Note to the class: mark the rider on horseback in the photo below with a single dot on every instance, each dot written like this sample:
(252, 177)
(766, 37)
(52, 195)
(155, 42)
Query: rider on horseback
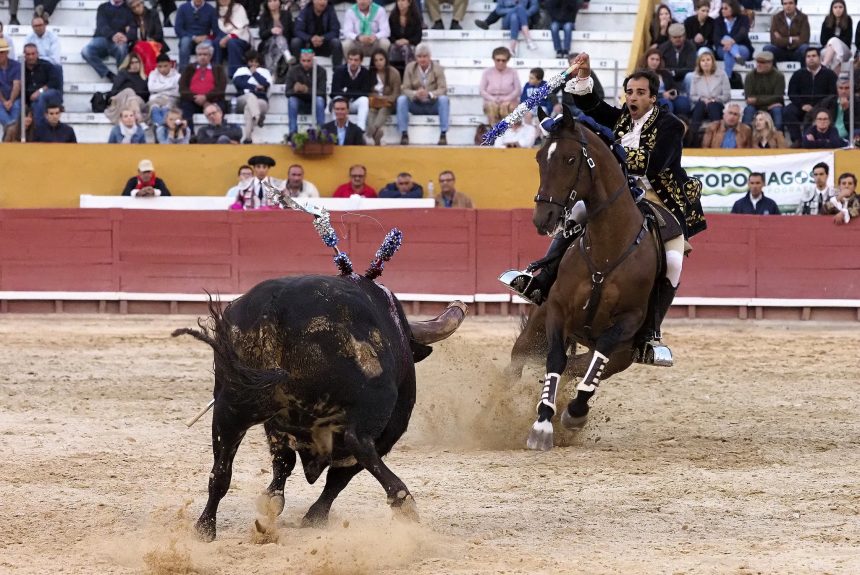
(652, 139)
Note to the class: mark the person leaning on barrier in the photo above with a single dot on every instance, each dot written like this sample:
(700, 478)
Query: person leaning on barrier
(812, 198)
(449, 196)
(845, 205)
(297, 185)
(755, 202)
(145, 184)
(52, 130)
(402, 187)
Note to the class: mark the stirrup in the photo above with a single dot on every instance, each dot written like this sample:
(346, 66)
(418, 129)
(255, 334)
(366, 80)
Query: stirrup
(654, 352)
(520, 282)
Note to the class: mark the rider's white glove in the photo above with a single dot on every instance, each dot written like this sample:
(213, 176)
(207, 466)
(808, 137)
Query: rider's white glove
(579, 86)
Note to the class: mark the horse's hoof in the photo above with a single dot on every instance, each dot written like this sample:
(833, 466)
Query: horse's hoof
(571, 422)
(270, 504)
(407, 510)
(205, 528)
(540, 436)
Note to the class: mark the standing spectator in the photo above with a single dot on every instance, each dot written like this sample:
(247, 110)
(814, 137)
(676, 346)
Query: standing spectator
(822, 134)
(365, 27)
(435, 13)
(356, 185)
(145, 184)
(13, 130)
(845, 205)
(146, 36)
(835, 37)
(668, 93)
(500, 87)
(839, 107)
(679, 54)
(130, 91)
(352, 82)
(806, 89)
(448, 196)
(318, 28)
(196, 22)
(252, 84)
(52, 130)
(423, 92)
(764, 88)
(47, 42)
(297, 185)
(709, 91)
(174, 129)
(385, 82)
(402, 188)
(536, 82)
(348, 134)
(163, 86)
(217, 131)
(562, 15)
(700, 26)
(201, 84)
(405, 25)
(731, 36)
(113, 22)
(298, 88)
(755, 202)
(10, 86)
(659, 31)
(729, 132)
(43, 84)
(126, 130)
(764, 134)
(789, 33)
(234, 33)
(812, 199)
(276, 31)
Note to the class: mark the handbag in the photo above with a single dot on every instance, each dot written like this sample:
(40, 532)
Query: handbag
(99, 102)
(378, 102)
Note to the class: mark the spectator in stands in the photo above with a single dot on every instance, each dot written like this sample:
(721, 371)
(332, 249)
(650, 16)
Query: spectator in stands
(130, 91)
(789, 33)
(405, 24)
(764, 134)
(196, 22)
(356, 185)
(217, 131)
(276, 32)
(385, 82)
(729, 132)
(234, 34)
(845, 205)
(201, 83)
(659, 31)
(811, 199)
(146, 36)
(839, 108)
(13, 130)
(126, 130)
(53, 130)
(402, 187)
(709, 92)
(47, 42)
(297, 185)
(669, 94)
(806, 89)
(448, 196)
(365, 27)
(515, 16)
(168, 7)
(298, 90)
(348, 134)
(318, 28)
(500, 87)
(174, 129)
(13, 13)
(731, 36)
(435, 13)
(9, 43)
(352, 82)
(252, 85)
(163, 86)
(423, 92)
(700, 26)
(10, 86)
(145, 184)
(111, 38)
(521, 134)
(835, 37)
(535, 83)
(764, 88)
(245, 174)
(755, 202)
(562, 15)
(42, 83)
(566, 98)
(821, 133)
(679, 55)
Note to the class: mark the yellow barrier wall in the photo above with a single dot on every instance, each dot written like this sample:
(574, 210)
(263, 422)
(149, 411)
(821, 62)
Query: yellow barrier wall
(55, 175)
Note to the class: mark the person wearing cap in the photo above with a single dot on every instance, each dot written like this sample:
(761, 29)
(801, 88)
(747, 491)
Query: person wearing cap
(10, 86)
(679, 53)
(763, 89)
(111, 38)
(163, 85)
(789, 33)
(145, 184)
(806, 89)
(255, 193)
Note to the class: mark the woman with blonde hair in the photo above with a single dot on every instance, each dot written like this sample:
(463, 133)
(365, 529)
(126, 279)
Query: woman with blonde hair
(709, 91)
(764, 134)
(130, 90)
(385, 82)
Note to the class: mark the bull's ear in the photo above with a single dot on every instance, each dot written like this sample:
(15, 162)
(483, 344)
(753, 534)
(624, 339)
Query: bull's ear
(541, 114)
(420, 351)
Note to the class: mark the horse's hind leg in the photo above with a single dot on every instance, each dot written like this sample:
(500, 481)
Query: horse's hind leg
(541, 435)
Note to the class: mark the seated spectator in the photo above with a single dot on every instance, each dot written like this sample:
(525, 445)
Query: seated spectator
(52, 130)
(127, 130)
(765, 134)
(352, 83)
(234, 34)
(174, 129)
(678, 54)
(728, 132)
(659, 30)
(709, 91)
(146, 36)
(47, 43)
(669, 94)
(355, 186)
(435, 13)
(402, 187)
(245, 174)
(845, 205)
(385, 82)
(423, 92)
(217, 131)
(130, 91)
(500, 87)
(764, 88)
(700, 26)
(298, 90)
(535, 83)
(145, 184)
(503, 11)
(566, 98)
(163, 86)
(43, 85)
(522, 134)
(365, 27)
(317, 28)
(201, 84)
(835, 37)
(168, 7)
(276, 32)
(562, 15)
(822, 134)
(252, 84)
(806, 89)
(10, 86)
(405, 24)
(755, 202)
(9, 43)
(13, 130)
(731, 36)
(196, 22)
(811, 199)
(113, 22)
(448, 196)
(839, 107)
(297, 185)
(347, 133)
(789, 33)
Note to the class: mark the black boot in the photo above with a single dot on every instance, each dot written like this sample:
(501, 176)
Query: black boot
(652, 351)
(536, 288)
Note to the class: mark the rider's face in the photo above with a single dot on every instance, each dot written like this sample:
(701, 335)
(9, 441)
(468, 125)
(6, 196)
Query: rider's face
(639, 98)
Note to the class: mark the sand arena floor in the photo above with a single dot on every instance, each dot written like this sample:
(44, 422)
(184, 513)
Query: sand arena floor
(742, 459)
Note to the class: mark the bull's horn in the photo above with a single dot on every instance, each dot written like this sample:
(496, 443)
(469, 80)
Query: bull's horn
(441, 326)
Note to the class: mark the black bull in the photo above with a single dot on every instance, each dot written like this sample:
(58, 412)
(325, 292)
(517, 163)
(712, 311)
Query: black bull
(327, 364)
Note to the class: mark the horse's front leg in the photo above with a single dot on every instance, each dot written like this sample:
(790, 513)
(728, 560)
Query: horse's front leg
(540, 436)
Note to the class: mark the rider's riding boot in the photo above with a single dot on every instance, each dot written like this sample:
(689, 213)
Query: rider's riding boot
(654, 352)
(535, 288)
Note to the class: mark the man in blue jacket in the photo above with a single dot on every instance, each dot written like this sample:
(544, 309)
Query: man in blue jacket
(113, 21)
(755, 202)
(196, 21)
(401, 188)
(318, 28)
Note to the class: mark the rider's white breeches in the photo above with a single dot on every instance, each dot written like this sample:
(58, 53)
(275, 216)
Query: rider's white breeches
(674, 259)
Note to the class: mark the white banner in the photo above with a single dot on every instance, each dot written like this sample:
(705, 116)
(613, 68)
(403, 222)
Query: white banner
(724, 178)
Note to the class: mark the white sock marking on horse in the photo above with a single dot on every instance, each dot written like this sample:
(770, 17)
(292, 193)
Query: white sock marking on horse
(543, 426)
(551, 150)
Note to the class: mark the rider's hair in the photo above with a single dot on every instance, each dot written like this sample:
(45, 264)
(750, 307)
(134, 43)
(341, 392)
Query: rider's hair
(653, 80)
(823, 166)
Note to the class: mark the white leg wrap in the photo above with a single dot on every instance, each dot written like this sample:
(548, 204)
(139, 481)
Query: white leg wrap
(593, 373)
(550, 390)
(674, 260)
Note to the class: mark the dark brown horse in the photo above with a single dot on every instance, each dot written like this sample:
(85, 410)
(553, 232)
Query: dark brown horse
(601, 297)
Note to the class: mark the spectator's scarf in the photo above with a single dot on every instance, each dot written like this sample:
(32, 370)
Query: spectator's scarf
(141, 184)
(365, 23)
(127, 132)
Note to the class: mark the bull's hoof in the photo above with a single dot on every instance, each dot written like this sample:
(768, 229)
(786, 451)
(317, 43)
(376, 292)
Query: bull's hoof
(270, 504)
(540, 436)
(572, 422)
(406, 509)
(205, 528)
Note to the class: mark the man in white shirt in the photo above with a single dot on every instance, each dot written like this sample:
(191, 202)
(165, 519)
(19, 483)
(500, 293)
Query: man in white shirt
(365, 26)
(811, 200)
(46, 41)
(256, 193)
(297, 186)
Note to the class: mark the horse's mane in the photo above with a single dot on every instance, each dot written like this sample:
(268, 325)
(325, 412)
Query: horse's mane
(554, 126)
